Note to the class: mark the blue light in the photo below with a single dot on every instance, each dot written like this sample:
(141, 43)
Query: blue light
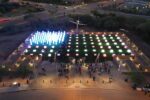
(46, 38)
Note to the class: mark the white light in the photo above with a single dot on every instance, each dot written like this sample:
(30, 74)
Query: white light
(53, 46)
(113, 55)
(99, 43)
(34, 50)
(129, 51)
(42, 50)
(111, 51)
(95, 54)
(77, 42)
(84, 43)
(93, 46)
(115, 43)
(40, 54)
(29, 46)
(94, 50)
(107, 44)
(117, 47)
(92, 43)
(69, 42)
(111, 37)
(120, 50)
(102, 50)
(98, 40)
(51, 50)
(104, 55)
(77, 54)
(122, 43)
(109, 47)
(49, 55)
(85, 50)
(68, 54)
(101, 47)
(31, 54)
(45, 47)
(77, 50)
(125, 47)
(86, 54)
(123, 54)
(104, 38)
(68, 50)
(58, 54)
(113, 40)
(37, 46)
(26, 50)
(118, 38)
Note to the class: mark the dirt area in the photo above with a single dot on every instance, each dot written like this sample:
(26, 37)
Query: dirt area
(9, 43)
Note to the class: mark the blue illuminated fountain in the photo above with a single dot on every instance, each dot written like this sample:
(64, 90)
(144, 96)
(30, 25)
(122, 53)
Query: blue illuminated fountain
(46, 38)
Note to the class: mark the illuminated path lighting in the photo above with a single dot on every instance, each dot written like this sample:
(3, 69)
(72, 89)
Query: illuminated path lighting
(47, 38)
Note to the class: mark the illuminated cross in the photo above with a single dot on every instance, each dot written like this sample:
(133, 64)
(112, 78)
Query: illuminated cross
(77, 25)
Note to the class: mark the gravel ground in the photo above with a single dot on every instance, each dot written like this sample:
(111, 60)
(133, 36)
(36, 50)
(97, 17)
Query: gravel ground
(9, 43)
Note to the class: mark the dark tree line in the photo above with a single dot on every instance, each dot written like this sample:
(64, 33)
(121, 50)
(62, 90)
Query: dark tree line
(112, 22)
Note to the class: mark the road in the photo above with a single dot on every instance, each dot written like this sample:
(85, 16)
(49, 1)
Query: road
(74, 94)
(60, 10)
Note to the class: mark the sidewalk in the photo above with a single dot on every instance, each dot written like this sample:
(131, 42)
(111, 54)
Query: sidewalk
(14, 89)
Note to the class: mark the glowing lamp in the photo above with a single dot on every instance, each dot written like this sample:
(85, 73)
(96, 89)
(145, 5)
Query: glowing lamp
(77, 50)
(94, 50)
(68, 50)
(68, 54)
(102, 50)
(85, 50)
(120, 50)
(58, 54)
(37, 46)
(86, 54)
(34, 50)
(104, 55)
(51, 50)
(129, 51)
(49, 55)
(111, 51)
(45, 47)
(77, 54)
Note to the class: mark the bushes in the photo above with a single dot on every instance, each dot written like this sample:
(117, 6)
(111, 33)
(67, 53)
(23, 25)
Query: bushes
(7, 7)
(136, 78)
(50, 1)
(23, 71)
(109, 22)
(144, 31)
(137, 25)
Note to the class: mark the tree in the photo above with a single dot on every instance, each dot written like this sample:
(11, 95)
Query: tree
(23, 71)
(3, 1)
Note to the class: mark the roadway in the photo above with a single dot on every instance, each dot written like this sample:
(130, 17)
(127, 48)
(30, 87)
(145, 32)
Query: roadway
(59, 10)
(74, 94)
